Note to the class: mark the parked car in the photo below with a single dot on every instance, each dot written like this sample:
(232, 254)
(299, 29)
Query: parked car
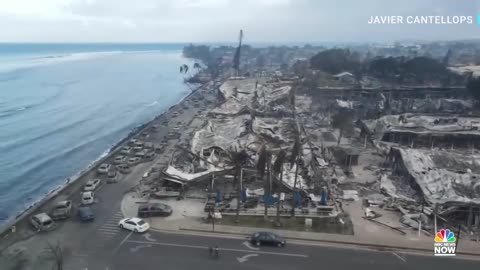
(120, 159)
(104, 168)
(134, 224)
(150, 156)
(148, 145)
(267, 238)
(42, 222)
(154, 210)
(92, 184)
(139, 143)
(123, 168)
(126, 150)
(137, 149)
(141, 154)
(158, 149)
(133, 161)
(132, 141)
(112, 177)
(85, 214)
(88, 198)
(62, 210)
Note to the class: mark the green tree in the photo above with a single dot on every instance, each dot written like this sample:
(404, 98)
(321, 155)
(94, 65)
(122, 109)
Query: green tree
(343, 121)
(197, 66)
(473, 86)
(300, 68)
(335, 61)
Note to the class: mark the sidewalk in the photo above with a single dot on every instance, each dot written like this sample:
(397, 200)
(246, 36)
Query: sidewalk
(367, 234)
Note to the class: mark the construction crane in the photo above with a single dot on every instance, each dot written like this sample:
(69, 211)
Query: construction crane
(236, 58)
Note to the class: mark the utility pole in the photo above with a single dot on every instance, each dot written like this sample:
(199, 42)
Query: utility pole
(419, 227)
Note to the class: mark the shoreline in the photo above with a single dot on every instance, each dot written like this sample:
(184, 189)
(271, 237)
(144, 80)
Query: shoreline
(6, 227)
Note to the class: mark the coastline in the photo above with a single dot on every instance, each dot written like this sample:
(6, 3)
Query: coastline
(6, 227)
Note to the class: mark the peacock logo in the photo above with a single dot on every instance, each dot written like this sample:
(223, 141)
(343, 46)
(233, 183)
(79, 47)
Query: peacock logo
(445, 236)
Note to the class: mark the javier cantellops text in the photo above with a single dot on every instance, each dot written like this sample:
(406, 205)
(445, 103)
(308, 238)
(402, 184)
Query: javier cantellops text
(431, 19)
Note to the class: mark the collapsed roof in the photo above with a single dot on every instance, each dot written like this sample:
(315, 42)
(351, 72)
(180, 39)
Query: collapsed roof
(226, 132)
(423, 124)
(437, 175)
(252, 95)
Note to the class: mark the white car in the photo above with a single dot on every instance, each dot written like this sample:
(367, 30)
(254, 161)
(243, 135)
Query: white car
(120, 159)
(104, 168)
(126, 150)
(92, 185)
(133, 161)
(88, 198)
(134, 224)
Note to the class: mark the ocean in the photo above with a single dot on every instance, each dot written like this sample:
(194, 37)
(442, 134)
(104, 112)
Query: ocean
(63, 106)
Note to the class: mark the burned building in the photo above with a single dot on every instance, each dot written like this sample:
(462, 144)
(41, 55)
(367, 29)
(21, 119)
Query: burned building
(427, 131)
(446, 182)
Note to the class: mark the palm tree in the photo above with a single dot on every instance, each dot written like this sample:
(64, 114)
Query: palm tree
(263, 164)
(296, 152)
(238, 159)
(197, 66)
(278, 172)
(184, 68)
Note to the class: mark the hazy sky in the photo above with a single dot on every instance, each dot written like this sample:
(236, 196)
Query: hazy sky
(220, 20)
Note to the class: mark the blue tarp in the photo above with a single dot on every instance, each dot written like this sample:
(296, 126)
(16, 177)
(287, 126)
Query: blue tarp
(297, 198)
(244, 195)
(323, 197)
(269, 199)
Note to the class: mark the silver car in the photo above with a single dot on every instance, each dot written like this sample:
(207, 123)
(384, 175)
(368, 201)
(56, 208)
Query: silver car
(42, 222)
(104, 168)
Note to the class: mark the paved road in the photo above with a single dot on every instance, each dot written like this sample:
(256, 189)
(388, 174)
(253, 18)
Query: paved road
(159, 250)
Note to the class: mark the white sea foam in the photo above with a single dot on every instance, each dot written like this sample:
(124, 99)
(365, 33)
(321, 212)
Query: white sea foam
(21, 62)
(153, 103)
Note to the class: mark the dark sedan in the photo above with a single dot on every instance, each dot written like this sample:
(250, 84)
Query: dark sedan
(85, 214)
(267, 239)
(154, 210)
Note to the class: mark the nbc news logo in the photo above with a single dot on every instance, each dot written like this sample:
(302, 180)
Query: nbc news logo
(445, 243)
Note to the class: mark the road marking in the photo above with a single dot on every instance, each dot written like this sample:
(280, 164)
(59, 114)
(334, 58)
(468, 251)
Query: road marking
(110, 226)
(247, 244)
(115, 230)
(245, 258)
(399, 257)
(149, 237)
(98, 188)
(121, 243)
(114, 220)
(137, 248)
(108, 233)
(222, 249)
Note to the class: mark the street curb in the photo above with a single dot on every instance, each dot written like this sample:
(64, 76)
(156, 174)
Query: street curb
(367, 245)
